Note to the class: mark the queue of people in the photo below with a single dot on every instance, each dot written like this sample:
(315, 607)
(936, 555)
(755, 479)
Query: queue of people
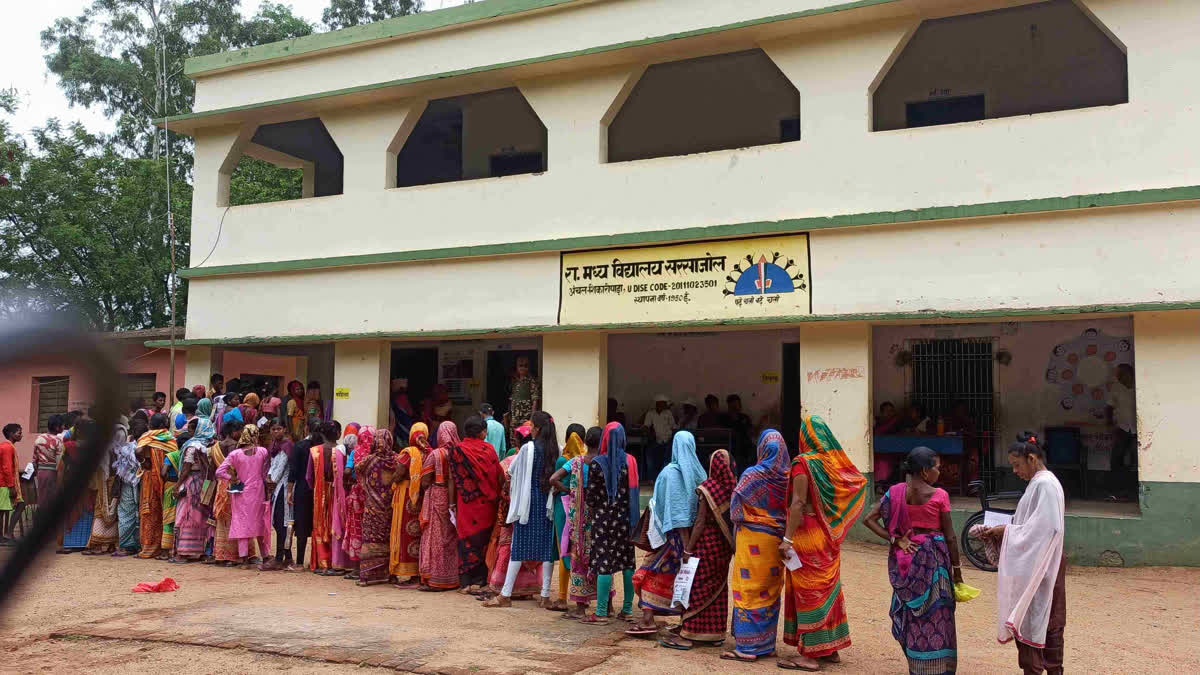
(451, 512)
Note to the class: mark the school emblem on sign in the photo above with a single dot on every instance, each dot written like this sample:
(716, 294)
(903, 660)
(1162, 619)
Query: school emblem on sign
(763, 277)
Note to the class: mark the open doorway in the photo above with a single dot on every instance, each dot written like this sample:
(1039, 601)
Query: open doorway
(420, 367)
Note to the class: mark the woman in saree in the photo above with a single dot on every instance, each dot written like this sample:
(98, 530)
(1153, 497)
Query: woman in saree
(296, 417)
(191, 512)
(582, 590)
(376, 473)
(356, 501)
(127, 471)
(340, 507)
(607, 498)
(528, 581)
(405, 559)
(319, 474)
(248, 525)
(170, 475)
(826, 495)
(711, 540)
(1031, 587)
(249, 408)
(475, 470)
(225, 549)
(758, 510)
(439, 539)
(923, 564)
(673, 513)
(104, 524)
(152, 451)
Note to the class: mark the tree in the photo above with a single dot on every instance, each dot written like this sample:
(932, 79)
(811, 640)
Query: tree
(83, 218)
(346, 13)
(81, 229)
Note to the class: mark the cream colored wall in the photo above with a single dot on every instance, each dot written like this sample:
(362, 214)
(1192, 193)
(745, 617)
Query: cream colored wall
(835, 384)
(576, 26)
(838, 167)
(1168, 367)
(575, 378)
(363, 368)
(1083, 257)
(432, 295)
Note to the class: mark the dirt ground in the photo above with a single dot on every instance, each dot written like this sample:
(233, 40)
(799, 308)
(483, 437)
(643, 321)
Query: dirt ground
(78, 612)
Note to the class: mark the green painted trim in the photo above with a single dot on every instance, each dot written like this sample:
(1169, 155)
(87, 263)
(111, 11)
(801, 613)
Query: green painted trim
(380, 30)
(857, 4)
(1025, 206)
(926, 315)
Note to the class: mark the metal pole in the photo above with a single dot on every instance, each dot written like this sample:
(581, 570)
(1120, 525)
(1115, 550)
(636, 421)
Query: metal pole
(170, 214)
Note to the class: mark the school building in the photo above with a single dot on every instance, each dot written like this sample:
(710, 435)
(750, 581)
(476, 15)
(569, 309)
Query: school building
(983, 212)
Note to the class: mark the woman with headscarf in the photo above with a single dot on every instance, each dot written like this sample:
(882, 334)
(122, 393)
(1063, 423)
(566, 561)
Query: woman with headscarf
(249, 408)
(342, 478)
(297, 419)
(439, 540)
(827, 494)
(376, 472)
(319, 474)
(608, 500)
(172, 462)
(127, 470)
(192, 511)
(711, 540)
(152, 451)
(576, 541)
(475, 471)
(104, 523)
(758, 510)
(562, 496)
(405, 559)
(247, 465)
(673, 512)
(499, 551)
(356, 501)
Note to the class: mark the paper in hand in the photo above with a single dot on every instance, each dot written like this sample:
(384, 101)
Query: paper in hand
(791, 560)
(995, 518)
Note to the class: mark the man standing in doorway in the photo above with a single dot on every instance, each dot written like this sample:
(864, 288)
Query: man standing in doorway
(495, 430)
(711, 417)
(661, 423)
(741, 426)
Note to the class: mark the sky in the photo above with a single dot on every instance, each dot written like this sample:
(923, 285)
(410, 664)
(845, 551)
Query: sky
(24, 68)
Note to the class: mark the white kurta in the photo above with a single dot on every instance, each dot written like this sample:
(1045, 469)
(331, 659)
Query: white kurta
(1029, 562)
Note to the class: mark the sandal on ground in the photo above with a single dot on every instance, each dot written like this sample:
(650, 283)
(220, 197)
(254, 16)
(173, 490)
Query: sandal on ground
(91, 552)
(627, 617)
(178, 561)
(738, 656)
(830, 658)
(789, 664)
(408, 586)
(121, 554)
(641, 631)
(270, 566)
(594, 620)
(572, 617)
(557, 606)
(675, 642)
(498, 601)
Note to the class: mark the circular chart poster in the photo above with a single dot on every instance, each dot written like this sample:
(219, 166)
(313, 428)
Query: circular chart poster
(1085, 370)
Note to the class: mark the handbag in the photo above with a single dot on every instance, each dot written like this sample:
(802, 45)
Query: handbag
(208, 492)
(641, 536)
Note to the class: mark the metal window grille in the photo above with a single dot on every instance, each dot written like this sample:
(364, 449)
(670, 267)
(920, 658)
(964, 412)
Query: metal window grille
(946, 373)
(51, 398)
(139, 385)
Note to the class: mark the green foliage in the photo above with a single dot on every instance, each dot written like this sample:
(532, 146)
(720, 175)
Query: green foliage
(256, 182)
(83, 230)
(345, 13)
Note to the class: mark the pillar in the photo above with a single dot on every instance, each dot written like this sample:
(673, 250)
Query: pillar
(577, 112)
(575, 378)
(200, 364)
(835, 384)
(360, 379)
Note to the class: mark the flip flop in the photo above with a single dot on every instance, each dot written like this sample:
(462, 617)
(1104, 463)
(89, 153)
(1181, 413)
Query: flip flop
(788, 664)
(593, 620)
(641, 632)
(734, 656)
(669, 643)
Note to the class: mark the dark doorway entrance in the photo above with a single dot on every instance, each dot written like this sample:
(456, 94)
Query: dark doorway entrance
(501, 366)
(790, 398)
(419, 365)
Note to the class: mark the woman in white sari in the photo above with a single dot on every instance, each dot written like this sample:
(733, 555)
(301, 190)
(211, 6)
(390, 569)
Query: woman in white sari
(1031, 591)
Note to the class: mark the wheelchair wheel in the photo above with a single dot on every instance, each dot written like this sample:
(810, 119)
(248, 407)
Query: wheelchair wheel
(974, 547)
